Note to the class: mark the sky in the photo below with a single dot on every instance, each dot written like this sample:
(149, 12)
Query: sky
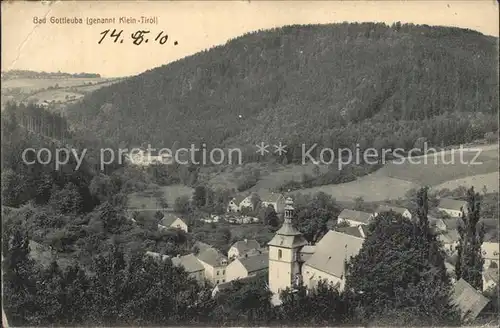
(195, 25)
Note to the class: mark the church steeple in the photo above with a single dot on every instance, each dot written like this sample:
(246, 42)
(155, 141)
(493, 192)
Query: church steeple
(284, 258)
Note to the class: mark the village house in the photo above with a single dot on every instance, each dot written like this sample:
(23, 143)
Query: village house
(468, 300)
(237, 203)
(490, 250)
(141, 157)
(449, 238)
(452, 207)
(276, 200)
(192, 266)
(156, 256)
(247, 266)
(215, 264)
(399, 210)
(172, 221)
(242, 247)
(324, 261)
(437, 225)
(354, 218)
(490, 278)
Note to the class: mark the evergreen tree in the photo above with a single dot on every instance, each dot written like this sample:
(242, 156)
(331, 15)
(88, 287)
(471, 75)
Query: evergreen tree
(470, 261)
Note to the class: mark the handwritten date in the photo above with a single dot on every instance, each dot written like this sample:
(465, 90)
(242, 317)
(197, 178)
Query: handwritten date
(138, 37)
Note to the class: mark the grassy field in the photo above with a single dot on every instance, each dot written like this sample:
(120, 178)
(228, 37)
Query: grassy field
(489, 180)
(30, 85)
(147, 200)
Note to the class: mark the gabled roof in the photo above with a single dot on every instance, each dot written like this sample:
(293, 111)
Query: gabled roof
(469, 301)
(189, 262)
(308, 249)
(256, 262)
(449, 236)
(358, 216)
(332, 251)
(212, 256)
(452, 223)
(269, 197)
(168, 219)
(388, 208)
(245, 245)
(353, 231)
(238, 199)
(452, 204)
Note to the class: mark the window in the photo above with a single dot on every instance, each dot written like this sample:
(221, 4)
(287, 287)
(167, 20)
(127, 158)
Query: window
(217, 282)
(223, 280)
(223, 271)
(217, 272)
(280, 254)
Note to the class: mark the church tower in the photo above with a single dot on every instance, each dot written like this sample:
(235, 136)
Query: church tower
(284, 258)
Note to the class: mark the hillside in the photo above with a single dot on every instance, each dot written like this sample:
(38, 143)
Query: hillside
(338, 85)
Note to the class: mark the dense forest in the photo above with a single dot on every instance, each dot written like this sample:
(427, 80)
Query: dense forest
(337, 85)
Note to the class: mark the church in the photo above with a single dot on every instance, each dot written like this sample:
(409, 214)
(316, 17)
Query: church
(292, 261)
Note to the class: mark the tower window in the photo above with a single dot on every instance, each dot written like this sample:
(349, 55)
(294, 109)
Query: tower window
(280, 254)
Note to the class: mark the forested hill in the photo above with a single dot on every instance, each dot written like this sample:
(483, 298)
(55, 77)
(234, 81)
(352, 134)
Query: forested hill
(336, 84)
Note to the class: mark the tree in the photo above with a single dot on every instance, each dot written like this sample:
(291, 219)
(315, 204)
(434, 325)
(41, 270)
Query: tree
(67, 200)
(470, 261)
(399, 273)
(199, 196)
(359, 204)
(182, 205)
(270, 217)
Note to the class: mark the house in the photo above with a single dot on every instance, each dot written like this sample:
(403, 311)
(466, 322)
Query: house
(276, 200)
(192, 266)
(468, 300)
(452, 207)
(215, 264)
(437, 225)
(490, 252)
(450, 241)
(359, 231)
(172, 221)
(354, 218)
(156, 256)
(399, 210)
(143, 157)
(242, 247)
(452, 223)
(490, 278)
(328, 261)
(292, 260)
(247, 266)
(237, 203)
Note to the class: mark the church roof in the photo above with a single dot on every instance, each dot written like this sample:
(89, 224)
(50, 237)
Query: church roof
(332, 251)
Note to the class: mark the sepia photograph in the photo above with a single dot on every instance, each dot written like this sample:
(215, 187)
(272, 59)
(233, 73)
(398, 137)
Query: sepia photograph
(250, 163)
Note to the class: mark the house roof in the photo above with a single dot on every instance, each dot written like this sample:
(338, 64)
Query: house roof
(168, 219)
(388, 208)
(449, 236)
(202, 246)
(452, 223)
(353, 231)
(469, 301)
(255, 262)
(212, 257)
(189, 262)
(246, 245)
(358, 216)
(238, 199)
(269, 197)
(452, 204)
(308, 249)
(332, 251)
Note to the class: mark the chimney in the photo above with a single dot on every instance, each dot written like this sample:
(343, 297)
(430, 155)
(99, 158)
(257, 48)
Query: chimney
(246, 241)
(178, 255)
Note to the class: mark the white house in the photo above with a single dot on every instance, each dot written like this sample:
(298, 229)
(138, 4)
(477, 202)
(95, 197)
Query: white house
(172, 221)
(142, 157)
(237, 203)
(192, 266)
(215, 264)
(242, 247)
(449, 239)
(388, 208)
(452, 207)
(276, 200)
(354, 218)
(490, 252)
(246, 266)
(490, 278)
